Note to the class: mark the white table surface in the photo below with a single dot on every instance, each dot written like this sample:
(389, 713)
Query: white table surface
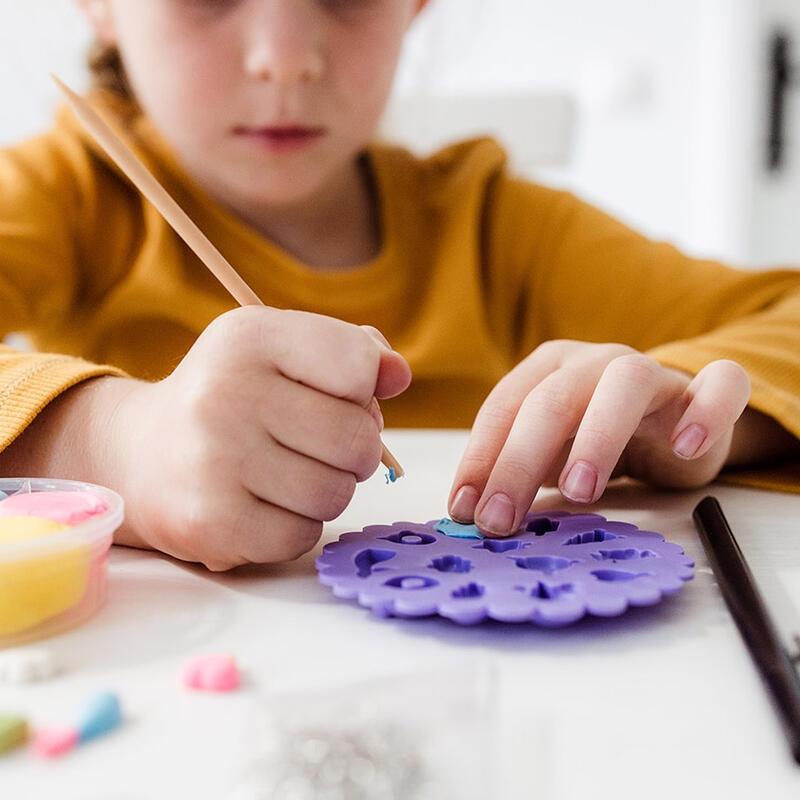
(662, 702)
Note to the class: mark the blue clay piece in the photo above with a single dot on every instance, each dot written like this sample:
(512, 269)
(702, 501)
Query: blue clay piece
(457, 530)
(100, 715)
(3, 495)
(391, 475)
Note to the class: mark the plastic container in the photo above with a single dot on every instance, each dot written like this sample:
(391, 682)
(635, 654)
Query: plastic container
(53, 582)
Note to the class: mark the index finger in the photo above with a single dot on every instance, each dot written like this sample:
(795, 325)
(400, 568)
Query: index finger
(491, 429)
(334, 357)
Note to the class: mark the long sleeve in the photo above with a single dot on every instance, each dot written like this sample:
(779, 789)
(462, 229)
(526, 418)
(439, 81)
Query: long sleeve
(589, 277)
(42, 211)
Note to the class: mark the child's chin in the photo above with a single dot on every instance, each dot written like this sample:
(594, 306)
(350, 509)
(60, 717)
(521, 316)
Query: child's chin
(278, 196)
(280, 188)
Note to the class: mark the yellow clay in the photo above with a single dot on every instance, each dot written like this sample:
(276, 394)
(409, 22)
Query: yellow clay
(35, 587)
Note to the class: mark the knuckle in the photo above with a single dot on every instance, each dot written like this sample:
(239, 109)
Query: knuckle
(236, 527)
(222, 326)
(475, 463)
(240, 325)
(338, 496)
(207, 397)
(202, 402)
(635, 368)
(553, 401)
(303, 537)
(518, 469)
(375, 334)
(193, 521)
(361, 445)
(596, 440)
(372, 460)
(553, 351)
(271, 326)
(197, 535)
(357, 361)
(554, 346)
(548, 348)
(612, 350)
(361, 361)
(496, 415)
(308, 534)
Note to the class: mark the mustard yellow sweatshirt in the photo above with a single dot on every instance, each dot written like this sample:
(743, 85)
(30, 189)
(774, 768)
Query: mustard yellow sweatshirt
(477, 268)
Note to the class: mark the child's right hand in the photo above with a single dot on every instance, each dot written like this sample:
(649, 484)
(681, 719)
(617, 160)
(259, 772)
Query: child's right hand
(259, 435)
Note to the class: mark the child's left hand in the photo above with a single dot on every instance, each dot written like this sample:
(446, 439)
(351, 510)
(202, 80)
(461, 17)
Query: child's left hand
(575, 414)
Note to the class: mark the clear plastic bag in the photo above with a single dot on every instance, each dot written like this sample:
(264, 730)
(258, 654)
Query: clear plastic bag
(411, 737)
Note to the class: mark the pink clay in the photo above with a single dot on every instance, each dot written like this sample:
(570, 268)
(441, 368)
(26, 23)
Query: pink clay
(52, 742)
(212, 673)
(68, 508)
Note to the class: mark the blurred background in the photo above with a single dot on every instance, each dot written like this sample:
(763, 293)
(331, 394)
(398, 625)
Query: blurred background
(682, 117)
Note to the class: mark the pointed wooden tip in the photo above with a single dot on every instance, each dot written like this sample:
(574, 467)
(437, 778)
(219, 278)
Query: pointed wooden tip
(391, 463)
(72, 97)
(61, 85)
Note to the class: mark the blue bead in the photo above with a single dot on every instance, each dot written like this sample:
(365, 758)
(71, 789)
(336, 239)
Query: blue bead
(100, 715)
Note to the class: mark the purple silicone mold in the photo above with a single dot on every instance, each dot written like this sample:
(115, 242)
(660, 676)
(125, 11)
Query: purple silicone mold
(556, 569)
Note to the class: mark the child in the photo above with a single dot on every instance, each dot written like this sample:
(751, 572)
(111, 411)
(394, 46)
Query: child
(233, 433)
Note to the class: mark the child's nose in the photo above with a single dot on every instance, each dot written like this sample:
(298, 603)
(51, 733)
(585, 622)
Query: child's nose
(285, 43)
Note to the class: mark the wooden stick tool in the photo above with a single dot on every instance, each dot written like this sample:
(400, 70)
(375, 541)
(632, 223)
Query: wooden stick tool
(180, 221)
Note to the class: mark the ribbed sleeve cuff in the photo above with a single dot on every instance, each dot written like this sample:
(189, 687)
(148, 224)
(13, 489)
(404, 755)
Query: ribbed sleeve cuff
(779, 478)
(28, 382)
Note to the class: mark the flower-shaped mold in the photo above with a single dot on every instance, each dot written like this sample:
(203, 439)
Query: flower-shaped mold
(556, 569)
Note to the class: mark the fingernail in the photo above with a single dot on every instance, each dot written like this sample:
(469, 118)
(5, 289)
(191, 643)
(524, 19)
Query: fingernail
(462, 509)
(689, 440)
(497, 515)
(580, 482)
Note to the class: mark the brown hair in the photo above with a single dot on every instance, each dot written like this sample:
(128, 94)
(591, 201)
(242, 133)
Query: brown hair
(108, 71)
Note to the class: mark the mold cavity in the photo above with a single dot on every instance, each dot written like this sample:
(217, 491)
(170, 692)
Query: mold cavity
(616, 575)
(410, 537)
(543, 591)
(411, 582)
(469, 591)
(542, 525)
(451, 564)
(622, 555)
(546, 564)
(590, 537)
(367, 559)
(501, 545)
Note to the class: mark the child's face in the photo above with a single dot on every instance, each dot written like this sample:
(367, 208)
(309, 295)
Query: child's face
(264, 101)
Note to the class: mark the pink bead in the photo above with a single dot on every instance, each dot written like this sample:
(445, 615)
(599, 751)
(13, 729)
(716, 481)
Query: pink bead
(52, 742)
(212, 673)
(68, 508)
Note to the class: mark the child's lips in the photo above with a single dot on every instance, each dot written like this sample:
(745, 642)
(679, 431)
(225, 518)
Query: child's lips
(281, 138)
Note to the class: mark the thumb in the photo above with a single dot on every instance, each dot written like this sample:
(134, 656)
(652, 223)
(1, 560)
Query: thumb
(394, 373)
